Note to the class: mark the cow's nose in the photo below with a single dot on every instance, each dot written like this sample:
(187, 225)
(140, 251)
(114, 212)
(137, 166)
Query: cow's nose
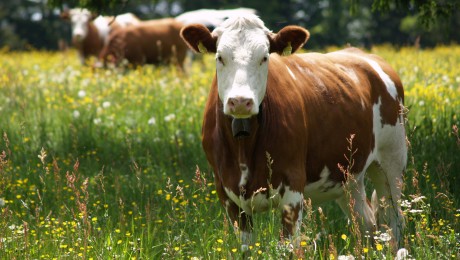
(240, 105)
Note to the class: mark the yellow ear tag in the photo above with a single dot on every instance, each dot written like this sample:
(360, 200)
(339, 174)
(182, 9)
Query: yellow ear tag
(287, 50)
(201, 48)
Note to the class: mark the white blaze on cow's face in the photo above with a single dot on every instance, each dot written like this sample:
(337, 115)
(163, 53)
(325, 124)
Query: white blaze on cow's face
(79, 19)
(242, 65)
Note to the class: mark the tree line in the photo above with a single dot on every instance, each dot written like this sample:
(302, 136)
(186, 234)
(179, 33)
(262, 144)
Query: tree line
(26, 24)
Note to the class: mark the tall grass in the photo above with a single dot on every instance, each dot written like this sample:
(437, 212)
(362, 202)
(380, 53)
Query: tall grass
(98, 164)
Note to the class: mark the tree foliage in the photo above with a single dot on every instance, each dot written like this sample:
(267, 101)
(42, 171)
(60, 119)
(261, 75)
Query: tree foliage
(358, 22)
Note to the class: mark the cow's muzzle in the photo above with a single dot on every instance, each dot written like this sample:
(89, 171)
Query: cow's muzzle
(240, 106)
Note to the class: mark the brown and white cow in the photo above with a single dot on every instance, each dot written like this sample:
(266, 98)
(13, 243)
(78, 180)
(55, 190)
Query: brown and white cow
(90, 33)
(302, 110)
(149, 42)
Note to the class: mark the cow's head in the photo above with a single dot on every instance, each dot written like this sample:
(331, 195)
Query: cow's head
(79, 19)
(243, 46)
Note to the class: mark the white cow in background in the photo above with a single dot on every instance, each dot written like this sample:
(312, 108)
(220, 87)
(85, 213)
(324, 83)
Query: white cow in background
(212, 18)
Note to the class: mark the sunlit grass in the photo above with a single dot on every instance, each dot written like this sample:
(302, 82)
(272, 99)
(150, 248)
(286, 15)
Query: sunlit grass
(98, 164)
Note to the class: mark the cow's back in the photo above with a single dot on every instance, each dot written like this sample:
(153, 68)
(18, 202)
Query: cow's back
(152, 42)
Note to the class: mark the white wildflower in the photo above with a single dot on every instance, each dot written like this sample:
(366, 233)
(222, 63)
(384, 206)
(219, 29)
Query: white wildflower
(152, 121)
(170, 117)
(415, 200)
(81, 94)
(97, 121)
(2, 202)
(421, 103)
(106, 104)
(405, 204)
(346, 257)
(76, 114)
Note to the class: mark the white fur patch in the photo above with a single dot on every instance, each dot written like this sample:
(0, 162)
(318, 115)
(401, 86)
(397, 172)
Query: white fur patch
(391, 88)
(244, 174)
(290, 73)
(323, 190)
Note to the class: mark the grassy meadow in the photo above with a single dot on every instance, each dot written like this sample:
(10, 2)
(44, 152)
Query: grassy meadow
(107, 164)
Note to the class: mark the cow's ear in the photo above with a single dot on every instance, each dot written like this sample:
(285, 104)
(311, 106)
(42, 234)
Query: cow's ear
(288, 40)
(199, 38)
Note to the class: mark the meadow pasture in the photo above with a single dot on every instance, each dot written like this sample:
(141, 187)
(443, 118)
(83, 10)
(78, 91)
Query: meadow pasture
(107, 164)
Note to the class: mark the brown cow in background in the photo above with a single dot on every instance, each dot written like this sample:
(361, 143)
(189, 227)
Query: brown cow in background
(90, 33)
(149, 42)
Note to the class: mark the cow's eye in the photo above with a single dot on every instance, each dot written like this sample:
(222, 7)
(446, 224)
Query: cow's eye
(220, 59)
(264, 59)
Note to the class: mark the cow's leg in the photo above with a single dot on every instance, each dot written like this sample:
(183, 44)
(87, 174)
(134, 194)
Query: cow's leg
(292, 206)
(354, 200)
(241, 222)
(387, 179)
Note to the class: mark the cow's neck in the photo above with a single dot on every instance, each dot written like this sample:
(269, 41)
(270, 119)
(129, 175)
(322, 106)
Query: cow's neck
(242, 133)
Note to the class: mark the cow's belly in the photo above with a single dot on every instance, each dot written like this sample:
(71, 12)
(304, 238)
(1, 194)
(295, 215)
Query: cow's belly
(259, 201)
(324, 189)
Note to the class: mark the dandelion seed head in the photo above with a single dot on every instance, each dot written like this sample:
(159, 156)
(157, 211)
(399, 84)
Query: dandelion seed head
(402, 254)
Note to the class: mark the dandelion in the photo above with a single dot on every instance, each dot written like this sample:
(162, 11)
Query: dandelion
(117, 230)
(234, 250)
(220, 241)
(402, 254)
(177, 248)
(344, 237)
(379, 247)
(365, 250)
(384, 237)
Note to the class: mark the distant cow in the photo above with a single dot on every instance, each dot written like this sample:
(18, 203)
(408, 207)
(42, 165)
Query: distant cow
(149, 42)
(320, 118)
(90, 33)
